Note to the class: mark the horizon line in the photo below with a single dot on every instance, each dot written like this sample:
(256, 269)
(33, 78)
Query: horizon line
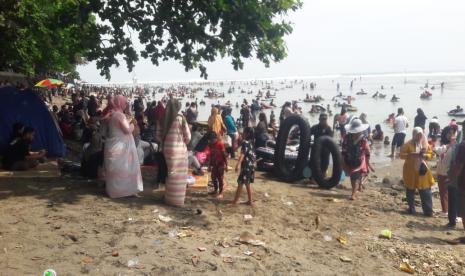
(296, 77)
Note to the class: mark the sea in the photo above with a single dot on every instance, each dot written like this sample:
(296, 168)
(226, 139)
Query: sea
(406, 86)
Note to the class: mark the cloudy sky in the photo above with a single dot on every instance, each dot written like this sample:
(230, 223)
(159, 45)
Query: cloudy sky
(343, 36)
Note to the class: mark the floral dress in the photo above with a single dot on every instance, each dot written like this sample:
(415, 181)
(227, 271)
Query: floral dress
(247, 174)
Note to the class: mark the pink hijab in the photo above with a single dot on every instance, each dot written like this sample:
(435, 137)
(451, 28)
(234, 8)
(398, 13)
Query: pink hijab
(109, 108)
(119, 103)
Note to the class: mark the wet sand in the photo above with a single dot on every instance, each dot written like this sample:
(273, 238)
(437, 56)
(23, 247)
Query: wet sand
(70, 225)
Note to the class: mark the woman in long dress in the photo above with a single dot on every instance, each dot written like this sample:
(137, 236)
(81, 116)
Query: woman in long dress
(122, 169)
(175, 136)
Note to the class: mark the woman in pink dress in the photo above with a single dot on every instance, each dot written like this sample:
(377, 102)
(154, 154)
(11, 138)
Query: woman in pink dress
(122, 169)
(174, 137)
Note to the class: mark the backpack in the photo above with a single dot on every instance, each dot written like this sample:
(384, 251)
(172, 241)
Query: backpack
(352, 153)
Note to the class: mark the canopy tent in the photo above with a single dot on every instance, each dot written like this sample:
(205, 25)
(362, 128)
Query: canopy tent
(26, 107)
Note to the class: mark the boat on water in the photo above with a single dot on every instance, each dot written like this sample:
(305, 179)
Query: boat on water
(351, 109)
(426, 95)
(456, 114)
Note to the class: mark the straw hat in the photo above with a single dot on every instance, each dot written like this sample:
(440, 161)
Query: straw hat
(356, 126)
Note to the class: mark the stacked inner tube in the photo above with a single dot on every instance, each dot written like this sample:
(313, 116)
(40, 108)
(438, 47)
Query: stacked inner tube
(287, 170)
(291, 170)
(323, 147)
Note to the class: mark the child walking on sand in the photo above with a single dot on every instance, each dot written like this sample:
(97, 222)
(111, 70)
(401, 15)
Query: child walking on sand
(356, 155)
(218, 163)
(247, 165)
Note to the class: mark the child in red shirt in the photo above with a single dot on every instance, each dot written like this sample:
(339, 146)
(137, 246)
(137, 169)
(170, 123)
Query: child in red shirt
(218, 163)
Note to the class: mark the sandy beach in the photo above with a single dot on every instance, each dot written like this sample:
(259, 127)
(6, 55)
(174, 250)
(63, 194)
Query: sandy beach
(71, 226)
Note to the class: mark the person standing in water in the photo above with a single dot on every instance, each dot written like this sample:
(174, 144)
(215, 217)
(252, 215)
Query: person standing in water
(420, 119)
(400, 130)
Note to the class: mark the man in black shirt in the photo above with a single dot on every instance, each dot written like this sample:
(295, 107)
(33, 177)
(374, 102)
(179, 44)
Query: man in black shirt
(319, 130)
(322, 128)
(18, 156)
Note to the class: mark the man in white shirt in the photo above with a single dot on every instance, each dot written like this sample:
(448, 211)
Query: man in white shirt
(400, 130)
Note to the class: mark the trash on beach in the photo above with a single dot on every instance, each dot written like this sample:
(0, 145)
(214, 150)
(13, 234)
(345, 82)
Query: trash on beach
(216, 252)
(333, 200)
(130, 219)
(256, 243)
(342, 240)
(156, 211)
(345, 259)
(289, 203)
(201, 249)
(248, 217)
(248, 253)
(224, 244)
(405, 267)
(386, 234)
(184, 234)
(164, 218)
(157, 242)
(195, 260)
(134, 263)
(115, 254)
(267, 195)
(247, 237)
(87, 260)
(327, 238)
(228, 260)
(173, 233)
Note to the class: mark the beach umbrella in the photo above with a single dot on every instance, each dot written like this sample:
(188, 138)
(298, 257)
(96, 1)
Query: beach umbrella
(48, 83)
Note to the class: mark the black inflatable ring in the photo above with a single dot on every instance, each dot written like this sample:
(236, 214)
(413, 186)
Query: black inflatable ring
(283, 167)
(326, 142)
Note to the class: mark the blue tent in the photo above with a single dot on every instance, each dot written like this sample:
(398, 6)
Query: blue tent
(26, 107)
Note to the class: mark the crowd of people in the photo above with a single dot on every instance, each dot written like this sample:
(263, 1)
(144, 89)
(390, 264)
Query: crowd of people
(446, 145)
(119, 136)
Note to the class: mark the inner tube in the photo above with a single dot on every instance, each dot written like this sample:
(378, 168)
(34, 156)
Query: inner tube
(285, 170)
(325, 144)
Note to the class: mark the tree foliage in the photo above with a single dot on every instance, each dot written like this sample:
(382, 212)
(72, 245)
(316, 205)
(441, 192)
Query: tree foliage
(193, 32)
(45, 36)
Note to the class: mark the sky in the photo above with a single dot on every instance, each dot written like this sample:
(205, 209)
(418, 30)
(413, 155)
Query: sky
(340, 37)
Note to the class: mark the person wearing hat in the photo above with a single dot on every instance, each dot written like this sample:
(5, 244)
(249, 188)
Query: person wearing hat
(356, 154)
(416, 174)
